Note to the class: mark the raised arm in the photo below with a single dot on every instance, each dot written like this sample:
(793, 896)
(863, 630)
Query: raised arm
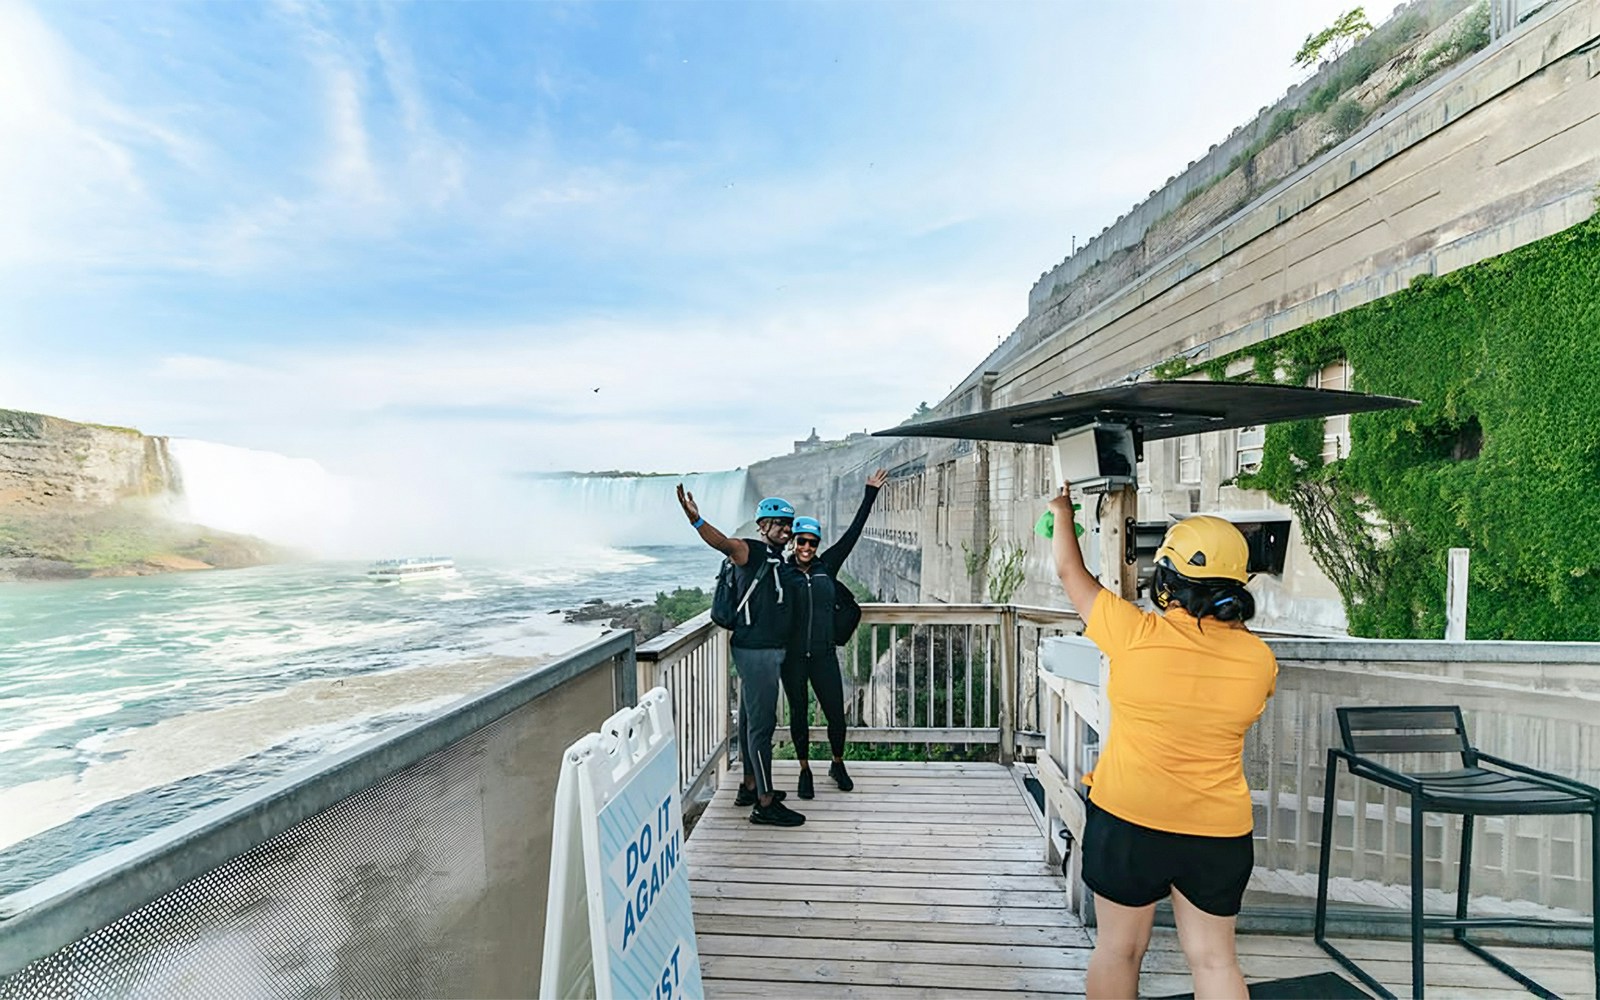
(836, 553)
(1081, 586)
(734, 548)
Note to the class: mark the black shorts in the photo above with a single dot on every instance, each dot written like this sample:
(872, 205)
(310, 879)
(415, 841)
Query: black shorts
(1135, 866)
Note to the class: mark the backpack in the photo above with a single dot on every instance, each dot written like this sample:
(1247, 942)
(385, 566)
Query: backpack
(726, 604)
(846, 613)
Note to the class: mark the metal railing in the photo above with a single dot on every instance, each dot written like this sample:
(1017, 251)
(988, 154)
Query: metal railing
(376, 871)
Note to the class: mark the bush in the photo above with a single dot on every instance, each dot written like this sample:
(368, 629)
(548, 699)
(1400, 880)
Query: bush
(1501, 457)
(1346, 116)
(682, 604)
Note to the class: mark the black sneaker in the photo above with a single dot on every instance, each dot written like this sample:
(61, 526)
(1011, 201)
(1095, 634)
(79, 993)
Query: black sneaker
(840, 776)
(747, 796)
(776, 814)
(807, 789)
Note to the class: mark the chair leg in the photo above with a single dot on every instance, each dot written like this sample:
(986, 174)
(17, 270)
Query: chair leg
(1417, 868)
(1464, 876)
(1319, 932)
(1320, 927)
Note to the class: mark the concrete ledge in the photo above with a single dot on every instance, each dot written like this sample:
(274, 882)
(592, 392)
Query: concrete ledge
(1388, 651)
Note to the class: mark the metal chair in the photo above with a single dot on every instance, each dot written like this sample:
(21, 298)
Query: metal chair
(1503, 788)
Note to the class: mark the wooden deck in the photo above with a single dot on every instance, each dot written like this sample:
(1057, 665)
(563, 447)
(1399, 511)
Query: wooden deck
(926, 881)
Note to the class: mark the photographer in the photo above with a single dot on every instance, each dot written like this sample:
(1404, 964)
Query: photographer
(1169, 810)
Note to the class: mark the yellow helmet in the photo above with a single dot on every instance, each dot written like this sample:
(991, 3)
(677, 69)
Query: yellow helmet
(1206, 548)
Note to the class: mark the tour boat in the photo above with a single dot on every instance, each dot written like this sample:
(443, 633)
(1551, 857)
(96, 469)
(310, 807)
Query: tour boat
(419, 568)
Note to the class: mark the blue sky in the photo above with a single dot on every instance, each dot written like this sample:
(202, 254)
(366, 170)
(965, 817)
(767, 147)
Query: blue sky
(374, 235)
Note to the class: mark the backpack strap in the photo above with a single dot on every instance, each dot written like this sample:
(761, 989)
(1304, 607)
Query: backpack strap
(752, 589)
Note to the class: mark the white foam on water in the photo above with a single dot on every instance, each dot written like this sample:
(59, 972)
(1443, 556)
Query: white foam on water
(46, 715)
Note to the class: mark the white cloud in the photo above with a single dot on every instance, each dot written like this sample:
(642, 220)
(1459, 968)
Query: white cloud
(71, 191)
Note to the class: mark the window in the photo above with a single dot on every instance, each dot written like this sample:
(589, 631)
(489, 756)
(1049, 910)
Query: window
(1336, 429)
(1248, 445)
(1189, 458)
(1047, 472)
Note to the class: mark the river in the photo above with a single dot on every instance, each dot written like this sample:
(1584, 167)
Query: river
(131, 703)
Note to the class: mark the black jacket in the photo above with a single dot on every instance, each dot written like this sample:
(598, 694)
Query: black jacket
(811, 631)
(772, 603)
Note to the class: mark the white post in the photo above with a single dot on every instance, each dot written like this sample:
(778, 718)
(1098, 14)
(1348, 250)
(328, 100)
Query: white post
(1455, 596)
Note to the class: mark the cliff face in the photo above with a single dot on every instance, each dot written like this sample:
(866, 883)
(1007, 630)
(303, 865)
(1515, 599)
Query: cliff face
(49, 463)
(85, 500)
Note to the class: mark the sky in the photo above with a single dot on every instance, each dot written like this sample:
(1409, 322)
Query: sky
(505, 237)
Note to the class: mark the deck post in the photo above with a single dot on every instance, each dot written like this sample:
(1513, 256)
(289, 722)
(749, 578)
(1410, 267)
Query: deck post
(722, 656)
(1455, 600)
(1117, 574)
(1008, 685)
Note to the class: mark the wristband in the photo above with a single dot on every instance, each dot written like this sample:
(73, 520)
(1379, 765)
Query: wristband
(696, 524)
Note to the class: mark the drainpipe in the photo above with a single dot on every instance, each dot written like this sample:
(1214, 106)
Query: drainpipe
(980, 493)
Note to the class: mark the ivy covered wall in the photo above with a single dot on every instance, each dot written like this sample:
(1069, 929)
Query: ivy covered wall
(1502, 457)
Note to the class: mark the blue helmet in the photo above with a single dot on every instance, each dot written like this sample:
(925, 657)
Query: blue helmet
(808, 526)
(774, 507)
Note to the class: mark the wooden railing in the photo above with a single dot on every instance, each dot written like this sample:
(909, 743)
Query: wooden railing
(692, 663)
(914, 673)
(945, 673)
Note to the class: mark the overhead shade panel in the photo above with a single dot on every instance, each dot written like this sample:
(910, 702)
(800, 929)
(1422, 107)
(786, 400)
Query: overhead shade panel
(1154, 409)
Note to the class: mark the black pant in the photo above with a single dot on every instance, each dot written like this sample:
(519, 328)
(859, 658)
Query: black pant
(821, 670)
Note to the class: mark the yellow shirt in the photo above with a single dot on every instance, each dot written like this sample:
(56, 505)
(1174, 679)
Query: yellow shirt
(1182, 694)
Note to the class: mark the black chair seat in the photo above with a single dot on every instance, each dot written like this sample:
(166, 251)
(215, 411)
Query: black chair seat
(1484, 792)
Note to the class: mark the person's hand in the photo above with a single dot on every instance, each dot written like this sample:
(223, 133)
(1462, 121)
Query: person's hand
(1061, 503)
(686, 500)
(877, 479)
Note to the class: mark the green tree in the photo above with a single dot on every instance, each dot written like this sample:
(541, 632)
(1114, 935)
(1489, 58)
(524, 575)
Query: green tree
(1335, 40)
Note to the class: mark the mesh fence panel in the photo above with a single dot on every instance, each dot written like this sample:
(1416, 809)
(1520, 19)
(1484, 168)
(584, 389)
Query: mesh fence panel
(429, 883)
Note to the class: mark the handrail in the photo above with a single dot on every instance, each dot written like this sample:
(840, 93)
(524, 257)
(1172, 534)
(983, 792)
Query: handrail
(675, 640)
(1033, 613)
(44, 918)
(908, 614)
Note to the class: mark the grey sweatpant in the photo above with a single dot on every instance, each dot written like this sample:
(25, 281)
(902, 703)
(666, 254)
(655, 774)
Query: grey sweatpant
(760, 671)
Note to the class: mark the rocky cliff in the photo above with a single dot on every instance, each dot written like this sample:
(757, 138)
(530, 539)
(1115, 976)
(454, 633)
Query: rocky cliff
(87, 500)
(47, 462)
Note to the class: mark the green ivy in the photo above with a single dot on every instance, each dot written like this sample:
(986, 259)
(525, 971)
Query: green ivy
(1501, 457)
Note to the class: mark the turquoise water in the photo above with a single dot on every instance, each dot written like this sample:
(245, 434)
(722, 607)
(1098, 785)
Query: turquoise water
(130, 703)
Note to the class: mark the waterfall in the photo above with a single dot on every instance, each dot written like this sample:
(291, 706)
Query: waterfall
(159, 474)
(292, 501)
(643, 510)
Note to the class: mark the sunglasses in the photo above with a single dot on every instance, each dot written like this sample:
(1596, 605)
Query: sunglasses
(805, 540)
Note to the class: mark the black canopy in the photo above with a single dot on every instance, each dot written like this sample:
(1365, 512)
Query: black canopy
(1154, 409)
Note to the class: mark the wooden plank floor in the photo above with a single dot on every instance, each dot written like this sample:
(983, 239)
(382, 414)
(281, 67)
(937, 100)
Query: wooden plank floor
(926, 881)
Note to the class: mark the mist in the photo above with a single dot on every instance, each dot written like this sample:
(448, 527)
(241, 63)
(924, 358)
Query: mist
(432, 509)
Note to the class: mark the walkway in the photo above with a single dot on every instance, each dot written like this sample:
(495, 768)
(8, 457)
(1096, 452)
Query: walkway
(926, 882)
